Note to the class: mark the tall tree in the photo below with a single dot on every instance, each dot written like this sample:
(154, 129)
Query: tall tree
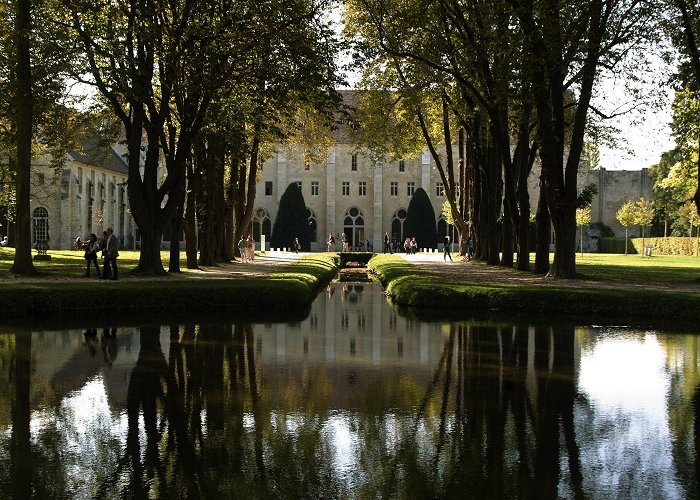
(157, 64)
(565, 46)
(684, 30)
(23, 243)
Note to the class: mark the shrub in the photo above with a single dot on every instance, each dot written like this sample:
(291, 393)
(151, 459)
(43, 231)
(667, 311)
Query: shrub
(615, 245)
(672, 245)
(420, 220)
(291, 221)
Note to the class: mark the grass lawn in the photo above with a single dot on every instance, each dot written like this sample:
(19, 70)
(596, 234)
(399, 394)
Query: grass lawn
(413, 287)
(661, 269)
(70, 263)
(286, 287)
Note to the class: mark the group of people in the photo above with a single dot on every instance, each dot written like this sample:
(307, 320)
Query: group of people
(361, 247)
(107, 247)
(246, 246)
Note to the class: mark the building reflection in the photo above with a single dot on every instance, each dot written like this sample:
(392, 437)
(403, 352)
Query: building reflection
(353, 401)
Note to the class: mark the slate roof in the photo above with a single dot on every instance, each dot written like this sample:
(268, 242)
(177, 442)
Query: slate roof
(100, 154)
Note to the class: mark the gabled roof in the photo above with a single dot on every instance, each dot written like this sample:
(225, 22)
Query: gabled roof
(99, 153)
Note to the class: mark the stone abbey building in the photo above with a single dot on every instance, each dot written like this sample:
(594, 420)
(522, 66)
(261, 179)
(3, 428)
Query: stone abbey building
(352, 195)
(348, 194)
(87, 194)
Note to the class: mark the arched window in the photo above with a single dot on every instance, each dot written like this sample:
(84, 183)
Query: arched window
(261, 225)
(313, 227)
(40, 224)
(354, 227)
(397, 225)
(441, 228)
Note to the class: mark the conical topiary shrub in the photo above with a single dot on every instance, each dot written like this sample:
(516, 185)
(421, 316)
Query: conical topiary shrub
(420, 220)
(291, 221)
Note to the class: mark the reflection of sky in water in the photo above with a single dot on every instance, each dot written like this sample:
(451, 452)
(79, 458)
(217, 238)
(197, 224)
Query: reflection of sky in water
(625, 381)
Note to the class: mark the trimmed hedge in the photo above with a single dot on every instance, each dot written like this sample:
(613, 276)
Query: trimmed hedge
(672, 245)
(616, 245)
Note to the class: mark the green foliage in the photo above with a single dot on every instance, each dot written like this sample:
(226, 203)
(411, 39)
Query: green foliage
(585, 197)
(292, 220)
(643, 212)
(420, 220)
(583, 216)
(673, 245)
(627, 214)
(615, 244)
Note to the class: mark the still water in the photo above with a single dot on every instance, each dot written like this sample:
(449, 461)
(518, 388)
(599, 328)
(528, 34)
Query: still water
(355, 401)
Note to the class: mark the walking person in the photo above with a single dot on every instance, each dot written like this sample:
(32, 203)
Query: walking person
(414, 246)
(330, 244)
(112, 248)
(346, 246)
(242, 249)
(470, 248)
(446, 248)
(296, 245)
(251, 248)
(387, 243)
(91, 249)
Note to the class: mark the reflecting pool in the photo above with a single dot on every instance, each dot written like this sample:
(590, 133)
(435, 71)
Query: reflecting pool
(355, 401)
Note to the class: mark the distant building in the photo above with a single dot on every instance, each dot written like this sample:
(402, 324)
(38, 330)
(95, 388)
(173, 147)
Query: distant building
(87, 194)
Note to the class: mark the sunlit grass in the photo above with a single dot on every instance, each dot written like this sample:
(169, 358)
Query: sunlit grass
(410, 286)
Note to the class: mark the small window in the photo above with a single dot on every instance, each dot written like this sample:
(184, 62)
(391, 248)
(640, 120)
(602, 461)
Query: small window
(354, 163)
(268, 188)
(363, 189)
(410, 188)
(346, 189)
(439, 189)
(314, 188)
(402, 166)
(299, 184)
(394, 186)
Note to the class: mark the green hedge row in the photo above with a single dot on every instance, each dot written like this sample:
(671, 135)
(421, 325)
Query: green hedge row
(672, 245)
(616, 245)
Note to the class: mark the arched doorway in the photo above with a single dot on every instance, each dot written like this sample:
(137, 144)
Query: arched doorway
(397, 223)
(261, 225)
(313, 226)
(354, 227)
(40, 224)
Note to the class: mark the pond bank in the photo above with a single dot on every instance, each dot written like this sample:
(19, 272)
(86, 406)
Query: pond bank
(451, 287)
(288, 286)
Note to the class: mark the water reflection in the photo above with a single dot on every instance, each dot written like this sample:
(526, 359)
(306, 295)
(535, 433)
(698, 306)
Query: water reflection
(354, 401)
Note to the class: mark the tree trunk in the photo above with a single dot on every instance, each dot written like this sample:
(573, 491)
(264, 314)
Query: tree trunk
(507, 230)
(150, 262)
(625, 240)
(21, 450)
(23, 264)
(210, 209)
(175, 231)
(564, 264)
(544, 229)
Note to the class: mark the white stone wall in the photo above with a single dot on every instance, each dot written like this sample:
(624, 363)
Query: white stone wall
(66, 200)
(330, 206)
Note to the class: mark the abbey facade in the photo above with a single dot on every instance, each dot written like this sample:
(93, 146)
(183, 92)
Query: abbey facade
(352, 195)
(87, 194)
(348, 194)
